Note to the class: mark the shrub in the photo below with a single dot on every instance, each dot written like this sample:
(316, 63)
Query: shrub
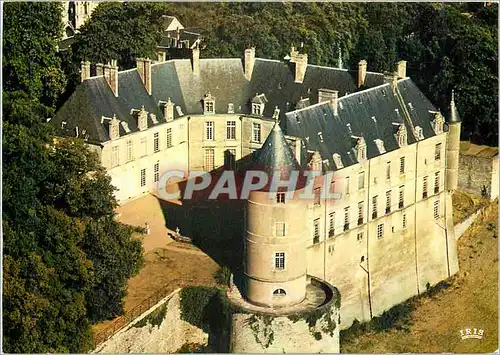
(223, 276)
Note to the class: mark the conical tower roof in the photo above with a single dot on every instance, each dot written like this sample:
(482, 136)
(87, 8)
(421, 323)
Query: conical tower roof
(454, 116)
(275, 155)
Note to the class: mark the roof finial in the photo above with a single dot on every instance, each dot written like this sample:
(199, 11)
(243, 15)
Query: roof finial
(452, 96)
(276, 114)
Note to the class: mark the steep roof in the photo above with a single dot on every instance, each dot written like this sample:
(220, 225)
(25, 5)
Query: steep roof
(372, 114)
(454, 116)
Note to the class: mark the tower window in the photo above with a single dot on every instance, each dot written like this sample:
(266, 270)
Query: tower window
(424, 187)
(346, 218)
(436, 209)
(256, 132)
(331, 229)
(316, 231)
(280, 229)
(279, 261)
(388, 202)
(157, 172)
(156, 142)
(437, 152)
(401, 165)
(279, 292)
(436, 182)
(380, 231)
(143, 177)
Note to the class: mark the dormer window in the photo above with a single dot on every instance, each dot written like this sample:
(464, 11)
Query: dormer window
(419, 133)
(256, 109)
(114, 128)
(125, 126)
(380, 145)
(438, 123)
(230, 108)
(209, 104)
(168, 110)
(316, 162)
(402, 136)
(142, 119)
(337, 161)
(361, 149)
(320, 136)
(258, 104)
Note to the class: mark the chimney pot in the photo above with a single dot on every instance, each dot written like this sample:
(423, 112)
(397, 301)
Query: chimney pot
(249, 62)
(85, 70)
(196, 60)
(144, 70)
(401, 69)
(361, 73)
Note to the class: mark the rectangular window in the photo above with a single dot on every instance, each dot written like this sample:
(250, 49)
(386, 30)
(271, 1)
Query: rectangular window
(331, 229)
(209, 131)
(209, 107)
(316, 231)
(388, 170)
(346, 218)
(209, 159)
(401, 165)
(169, 137)
(388, 201)
(436, 209)
(401, 202)
(404, 221)
(437, 152)
(361, 212)
(436, 182)
(361, 180)
(279, 261)
(380, 230)
(157, 172)
(143, 177)
(280, 197)
(317, 196)
(115, 156)
(280, 229)
(347, 185)
(374, 207)
(156, 142)
(256, 132)
(424, 187)
(231, 130)
(360, 236)
(130, 150)
(144, 147)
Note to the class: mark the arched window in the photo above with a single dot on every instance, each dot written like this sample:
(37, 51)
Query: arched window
(279, 292)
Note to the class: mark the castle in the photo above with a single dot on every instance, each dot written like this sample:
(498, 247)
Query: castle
(388, 151)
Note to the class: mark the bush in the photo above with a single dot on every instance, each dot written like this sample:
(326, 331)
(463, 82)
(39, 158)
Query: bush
(223, 276)
(155, 318)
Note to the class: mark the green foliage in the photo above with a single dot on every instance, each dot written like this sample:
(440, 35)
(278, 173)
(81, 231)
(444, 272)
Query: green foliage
(264, 336)
(223, 276)
(155, 318)
(192, 348)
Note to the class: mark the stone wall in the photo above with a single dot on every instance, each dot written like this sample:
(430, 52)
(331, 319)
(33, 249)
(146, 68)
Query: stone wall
(168, 337)
(475, 172)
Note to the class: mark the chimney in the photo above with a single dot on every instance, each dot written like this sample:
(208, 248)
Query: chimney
(144, 70)
(249, 62)
(401, 69)
(394, 82)
(361, 73)
(196, 61)
(329, 95)
(85, 71)
(111, 76)
(99, 69)
(300, 67)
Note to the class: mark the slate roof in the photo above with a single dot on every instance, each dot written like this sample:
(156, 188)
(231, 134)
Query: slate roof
(369, 114)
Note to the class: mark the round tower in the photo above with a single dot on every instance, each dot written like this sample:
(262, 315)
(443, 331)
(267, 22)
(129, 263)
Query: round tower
(275, 247)
(453, 146)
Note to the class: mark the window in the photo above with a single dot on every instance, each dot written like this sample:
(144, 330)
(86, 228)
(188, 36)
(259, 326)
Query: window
(279, 261)
(317, 196)
(280, 229)
(115, 156)
(230, 108)
(360, 236)
(346, 218)
(404, 223)
(401, 201)
(436, 209)
(331, 229)
(436, 182)
(256, 132)
(361, 180)
(401, 165)
(380, 230)
(144, 147)
(316, 231)
(424, 187)
(169, 137)
(361, 209)
(230, 159)
(231, 130)
(130, 151)
(347, 185)
(388, 170)
(143, 177)
(209, 159)
(209, 131)
(388, 202)
(437, 152)
(209, 107)
(156, 142)
(279, 292)
(374, 207)
(280, 197)
(157, 172)
(256, 109)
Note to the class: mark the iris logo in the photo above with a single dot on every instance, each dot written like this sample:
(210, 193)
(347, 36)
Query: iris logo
(471, 333)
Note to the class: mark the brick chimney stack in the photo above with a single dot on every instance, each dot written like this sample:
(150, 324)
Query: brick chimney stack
(85, 71)
(249, 62)
(195, 61)
(99, 69)
(361, 73)
(111, 76)
(329, 95)
(401, 69)
(144, 70)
